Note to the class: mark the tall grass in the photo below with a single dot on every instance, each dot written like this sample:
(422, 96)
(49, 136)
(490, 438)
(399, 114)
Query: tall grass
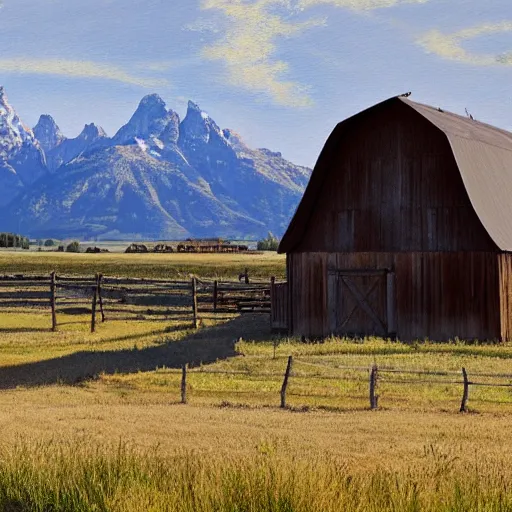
(161, 266)
(51, 477)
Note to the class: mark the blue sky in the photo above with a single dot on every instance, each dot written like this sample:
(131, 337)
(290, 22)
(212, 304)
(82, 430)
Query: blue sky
(282, 73)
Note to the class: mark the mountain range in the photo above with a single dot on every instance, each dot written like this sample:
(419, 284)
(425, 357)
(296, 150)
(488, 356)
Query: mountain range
(158, 177)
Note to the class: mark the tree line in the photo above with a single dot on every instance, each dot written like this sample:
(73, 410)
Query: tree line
(13, 240)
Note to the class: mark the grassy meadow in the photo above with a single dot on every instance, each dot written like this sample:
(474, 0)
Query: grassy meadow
(93, 421)
(156, 266)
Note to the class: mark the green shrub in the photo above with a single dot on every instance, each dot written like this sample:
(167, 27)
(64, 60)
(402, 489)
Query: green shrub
(271, 243)
(73, 247)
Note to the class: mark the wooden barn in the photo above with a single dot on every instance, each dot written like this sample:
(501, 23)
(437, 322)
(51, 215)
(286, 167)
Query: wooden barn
(405, 229)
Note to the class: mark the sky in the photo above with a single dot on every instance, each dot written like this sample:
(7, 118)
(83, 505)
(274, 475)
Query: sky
(281, 73)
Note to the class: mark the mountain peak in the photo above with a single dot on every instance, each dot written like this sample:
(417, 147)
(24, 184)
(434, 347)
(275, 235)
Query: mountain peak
(48, 133)
(193, 106)
(91, 131)
(149, 120)
(152, 99)
(197, 126)
(18, 146)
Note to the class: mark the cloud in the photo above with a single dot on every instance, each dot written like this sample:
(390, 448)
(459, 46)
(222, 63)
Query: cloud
(450, 46)
(249, 43)
(75, 69)
(358, 5)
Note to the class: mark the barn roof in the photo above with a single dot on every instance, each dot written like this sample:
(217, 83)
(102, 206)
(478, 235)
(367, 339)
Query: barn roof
(484, 157)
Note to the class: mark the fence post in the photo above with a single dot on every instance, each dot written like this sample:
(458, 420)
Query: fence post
(465, 394)
(93, 308)
(373, 388)
(184, 384)
(285, 382)
(194, 303)
(215, 295)
(100, 298)
(53, 300)
(272, 302)
(246, 276)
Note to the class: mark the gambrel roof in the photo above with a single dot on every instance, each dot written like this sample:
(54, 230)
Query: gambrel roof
(483, 154)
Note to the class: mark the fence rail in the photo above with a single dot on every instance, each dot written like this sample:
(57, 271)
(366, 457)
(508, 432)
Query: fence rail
(198, 297)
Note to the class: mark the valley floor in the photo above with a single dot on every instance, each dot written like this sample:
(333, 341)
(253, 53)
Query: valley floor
(73, 390)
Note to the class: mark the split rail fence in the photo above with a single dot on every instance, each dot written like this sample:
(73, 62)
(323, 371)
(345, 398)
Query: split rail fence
(129, 298)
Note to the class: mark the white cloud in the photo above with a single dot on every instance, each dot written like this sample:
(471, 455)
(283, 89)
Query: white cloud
(358, 5)
(75, 69)
(249, 44)
(451, 46)
(253, 29)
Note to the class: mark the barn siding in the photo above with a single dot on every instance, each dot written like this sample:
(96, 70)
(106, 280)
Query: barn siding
(505, 266)
(394, 185)
(441, 295)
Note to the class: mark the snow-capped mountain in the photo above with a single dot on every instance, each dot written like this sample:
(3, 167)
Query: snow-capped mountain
(148, 122)
(48, 133)
(157, 177)
(22, 159)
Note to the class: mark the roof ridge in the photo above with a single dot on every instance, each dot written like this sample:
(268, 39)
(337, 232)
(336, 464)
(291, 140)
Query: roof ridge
(438, 110)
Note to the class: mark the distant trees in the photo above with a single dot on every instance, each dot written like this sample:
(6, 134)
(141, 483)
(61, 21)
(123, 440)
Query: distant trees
(73, 246)
(271, 243)
(49, 243)
(13, 240)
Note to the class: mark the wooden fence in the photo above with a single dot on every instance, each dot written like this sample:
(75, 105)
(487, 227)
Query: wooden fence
(131, 298)
(375, 377)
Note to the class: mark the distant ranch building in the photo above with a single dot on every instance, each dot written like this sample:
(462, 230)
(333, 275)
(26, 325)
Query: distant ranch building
(405, 229)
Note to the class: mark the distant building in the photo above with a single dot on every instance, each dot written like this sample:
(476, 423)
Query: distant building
(405, 229)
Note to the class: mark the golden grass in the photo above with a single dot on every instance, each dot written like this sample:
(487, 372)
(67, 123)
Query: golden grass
(89, 477)
(231, 446)
(171, 266)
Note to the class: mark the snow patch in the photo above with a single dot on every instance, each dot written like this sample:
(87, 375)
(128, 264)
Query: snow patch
(142, 144)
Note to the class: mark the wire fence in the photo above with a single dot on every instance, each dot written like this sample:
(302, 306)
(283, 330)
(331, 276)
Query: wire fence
(376, 378)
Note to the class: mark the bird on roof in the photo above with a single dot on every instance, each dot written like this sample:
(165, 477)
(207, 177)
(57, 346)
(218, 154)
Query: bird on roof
(469, 115)
(405, 95)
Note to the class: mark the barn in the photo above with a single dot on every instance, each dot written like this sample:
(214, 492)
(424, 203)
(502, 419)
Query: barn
(405, 229)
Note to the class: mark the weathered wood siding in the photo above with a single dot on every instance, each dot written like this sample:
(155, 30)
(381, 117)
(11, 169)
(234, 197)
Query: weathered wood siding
(394, 185)
(505, 266)
(439, 295)
(279, 310)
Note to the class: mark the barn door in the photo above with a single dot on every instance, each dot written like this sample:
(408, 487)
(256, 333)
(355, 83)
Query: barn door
(362, 303)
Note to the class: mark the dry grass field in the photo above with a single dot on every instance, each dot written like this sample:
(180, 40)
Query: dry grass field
(171, 266)
(93, 421)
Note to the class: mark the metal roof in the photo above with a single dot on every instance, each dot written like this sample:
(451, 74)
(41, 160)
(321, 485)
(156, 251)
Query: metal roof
(484, 157)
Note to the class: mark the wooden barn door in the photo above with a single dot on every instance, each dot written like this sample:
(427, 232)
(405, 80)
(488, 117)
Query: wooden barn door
(362, 303)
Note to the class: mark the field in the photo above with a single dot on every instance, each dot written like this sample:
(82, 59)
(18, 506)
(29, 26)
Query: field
(165, 266)
(94, 421)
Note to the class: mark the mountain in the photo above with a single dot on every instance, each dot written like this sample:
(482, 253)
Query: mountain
(22, 160)
(158, 177)
(149, 120)
(48, 133)
(121, 190)
(92, 136)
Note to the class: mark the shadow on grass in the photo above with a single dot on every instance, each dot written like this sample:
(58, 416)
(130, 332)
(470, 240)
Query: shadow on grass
(12, 330)
(204, 346)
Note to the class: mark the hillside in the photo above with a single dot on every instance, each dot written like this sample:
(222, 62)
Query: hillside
(157, 177)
